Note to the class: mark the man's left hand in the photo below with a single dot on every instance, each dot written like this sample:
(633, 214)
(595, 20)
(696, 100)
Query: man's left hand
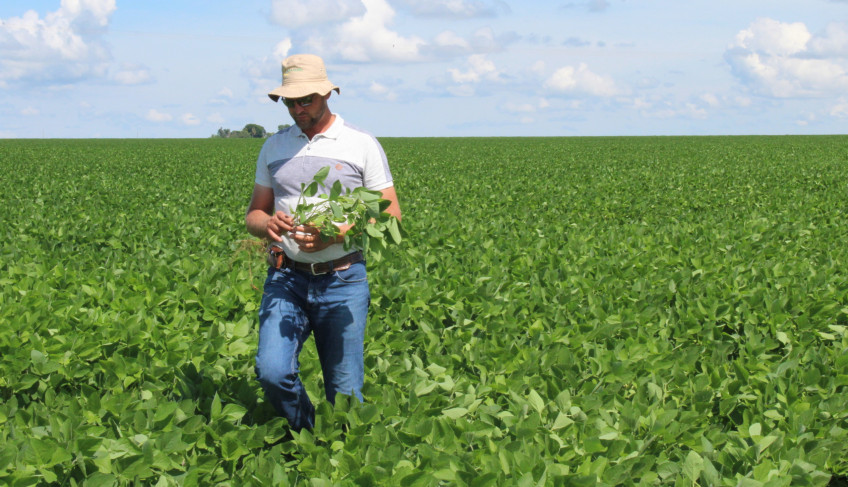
(309, 239)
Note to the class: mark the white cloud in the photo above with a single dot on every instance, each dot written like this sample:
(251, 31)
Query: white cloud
(299, 13)
(479, 69)
(29, 111)
(154, 115)
(133, 75)
(833, 42)
(784, 60)
(382, 92)
(367, 35)
(454, 9)
(710, 99)
(450, 40)
(581, 80)
(840, 109)
(368, 38)
(190, 119)
(63, 45)
(224, 96)
(281, 50)
(694, 111)
(775, 38)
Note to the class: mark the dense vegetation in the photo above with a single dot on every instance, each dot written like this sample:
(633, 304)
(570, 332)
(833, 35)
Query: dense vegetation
(575, 311)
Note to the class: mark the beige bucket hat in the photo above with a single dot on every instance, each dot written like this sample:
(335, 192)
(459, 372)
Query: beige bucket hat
(303, 74)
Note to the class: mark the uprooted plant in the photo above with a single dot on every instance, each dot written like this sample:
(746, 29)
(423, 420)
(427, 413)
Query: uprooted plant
(372, 227)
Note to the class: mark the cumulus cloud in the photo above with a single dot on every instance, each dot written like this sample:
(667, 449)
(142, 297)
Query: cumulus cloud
(450, 41)
(382, 92)
(368, 35)
(581, 81)
(154, 115)
(299, 13)
(784, 60)
(29, 111)
(281, 50)
(368, 38)
(63, 45)
(479, 69)
(454, 9)
(464, 82)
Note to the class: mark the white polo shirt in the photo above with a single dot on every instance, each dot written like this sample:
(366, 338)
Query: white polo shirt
(288, 158)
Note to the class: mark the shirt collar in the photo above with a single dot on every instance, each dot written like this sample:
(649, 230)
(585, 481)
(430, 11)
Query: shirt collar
(332, 132)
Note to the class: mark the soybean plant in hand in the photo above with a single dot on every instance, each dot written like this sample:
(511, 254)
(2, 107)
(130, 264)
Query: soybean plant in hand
(372, 227)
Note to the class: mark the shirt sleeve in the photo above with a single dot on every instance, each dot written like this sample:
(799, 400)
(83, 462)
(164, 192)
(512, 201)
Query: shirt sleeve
(263, 175)
(377, 175)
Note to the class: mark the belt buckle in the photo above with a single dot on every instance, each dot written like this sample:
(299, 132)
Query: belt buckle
(312, 269)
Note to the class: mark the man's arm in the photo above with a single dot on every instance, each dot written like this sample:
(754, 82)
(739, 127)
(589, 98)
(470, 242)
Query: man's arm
(394, 207)
(261, 220)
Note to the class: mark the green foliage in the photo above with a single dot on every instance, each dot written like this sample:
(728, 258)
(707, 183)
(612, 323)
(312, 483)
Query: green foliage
(254, 130)
(362, 209)
(250, 130)
(563, 311)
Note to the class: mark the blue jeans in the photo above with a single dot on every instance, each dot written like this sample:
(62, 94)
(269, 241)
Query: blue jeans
(295, 304)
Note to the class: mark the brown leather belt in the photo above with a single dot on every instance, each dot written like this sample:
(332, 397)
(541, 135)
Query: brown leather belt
(278, 259)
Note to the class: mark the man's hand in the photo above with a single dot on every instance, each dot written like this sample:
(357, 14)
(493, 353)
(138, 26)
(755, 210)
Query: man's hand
(278, 225)
(308, 239)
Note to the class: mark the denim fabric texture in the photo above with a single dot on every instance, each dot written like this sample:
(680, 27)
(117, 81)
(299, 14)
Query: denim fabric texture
(334, 308)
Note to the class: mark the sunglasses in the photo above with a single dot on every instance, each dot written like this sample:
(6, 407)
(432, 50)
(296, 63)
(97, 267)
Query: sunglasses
(303, 102)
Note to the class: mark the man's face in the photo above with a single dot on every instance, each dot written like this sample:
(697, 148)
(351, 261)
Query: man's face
(307, 111)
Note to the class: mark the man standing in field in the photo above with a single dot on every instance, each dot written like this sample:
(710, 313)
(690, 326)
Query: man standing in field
(313, 286)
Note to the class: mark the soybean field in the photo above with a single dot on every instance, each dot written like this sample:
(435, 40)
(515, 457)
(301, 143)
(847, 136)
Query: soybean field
(562, 311)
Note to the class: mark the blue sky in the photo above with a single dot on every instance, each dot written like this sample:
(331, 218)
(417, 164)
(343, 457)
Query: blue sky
(420, 68)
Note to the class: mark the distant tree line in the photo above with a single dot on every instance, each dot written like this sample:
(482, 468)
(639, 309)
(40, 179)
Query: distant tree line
(250, 131)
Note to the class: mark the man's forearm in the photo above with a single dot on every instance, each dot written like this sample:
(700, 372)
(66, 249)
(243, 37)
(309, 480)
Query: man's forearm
(256, 222)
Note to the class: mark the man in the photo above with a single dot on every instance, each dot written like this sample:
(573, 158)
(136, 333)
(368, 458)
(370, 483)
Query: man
(313, 286)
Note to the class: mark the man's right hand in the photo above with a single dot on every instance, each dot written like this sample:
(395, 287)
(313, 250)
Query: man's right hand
(278, 225)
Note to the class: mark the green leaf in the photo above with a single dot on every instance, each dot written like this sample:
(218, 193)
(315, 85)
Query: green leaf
(232, 446)
(693, 466)
(536, 401)
(336, 190)
(562, 420)
(338, 213)
(394, 230)
(455, 413)
(321, 175)
(215, 410)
